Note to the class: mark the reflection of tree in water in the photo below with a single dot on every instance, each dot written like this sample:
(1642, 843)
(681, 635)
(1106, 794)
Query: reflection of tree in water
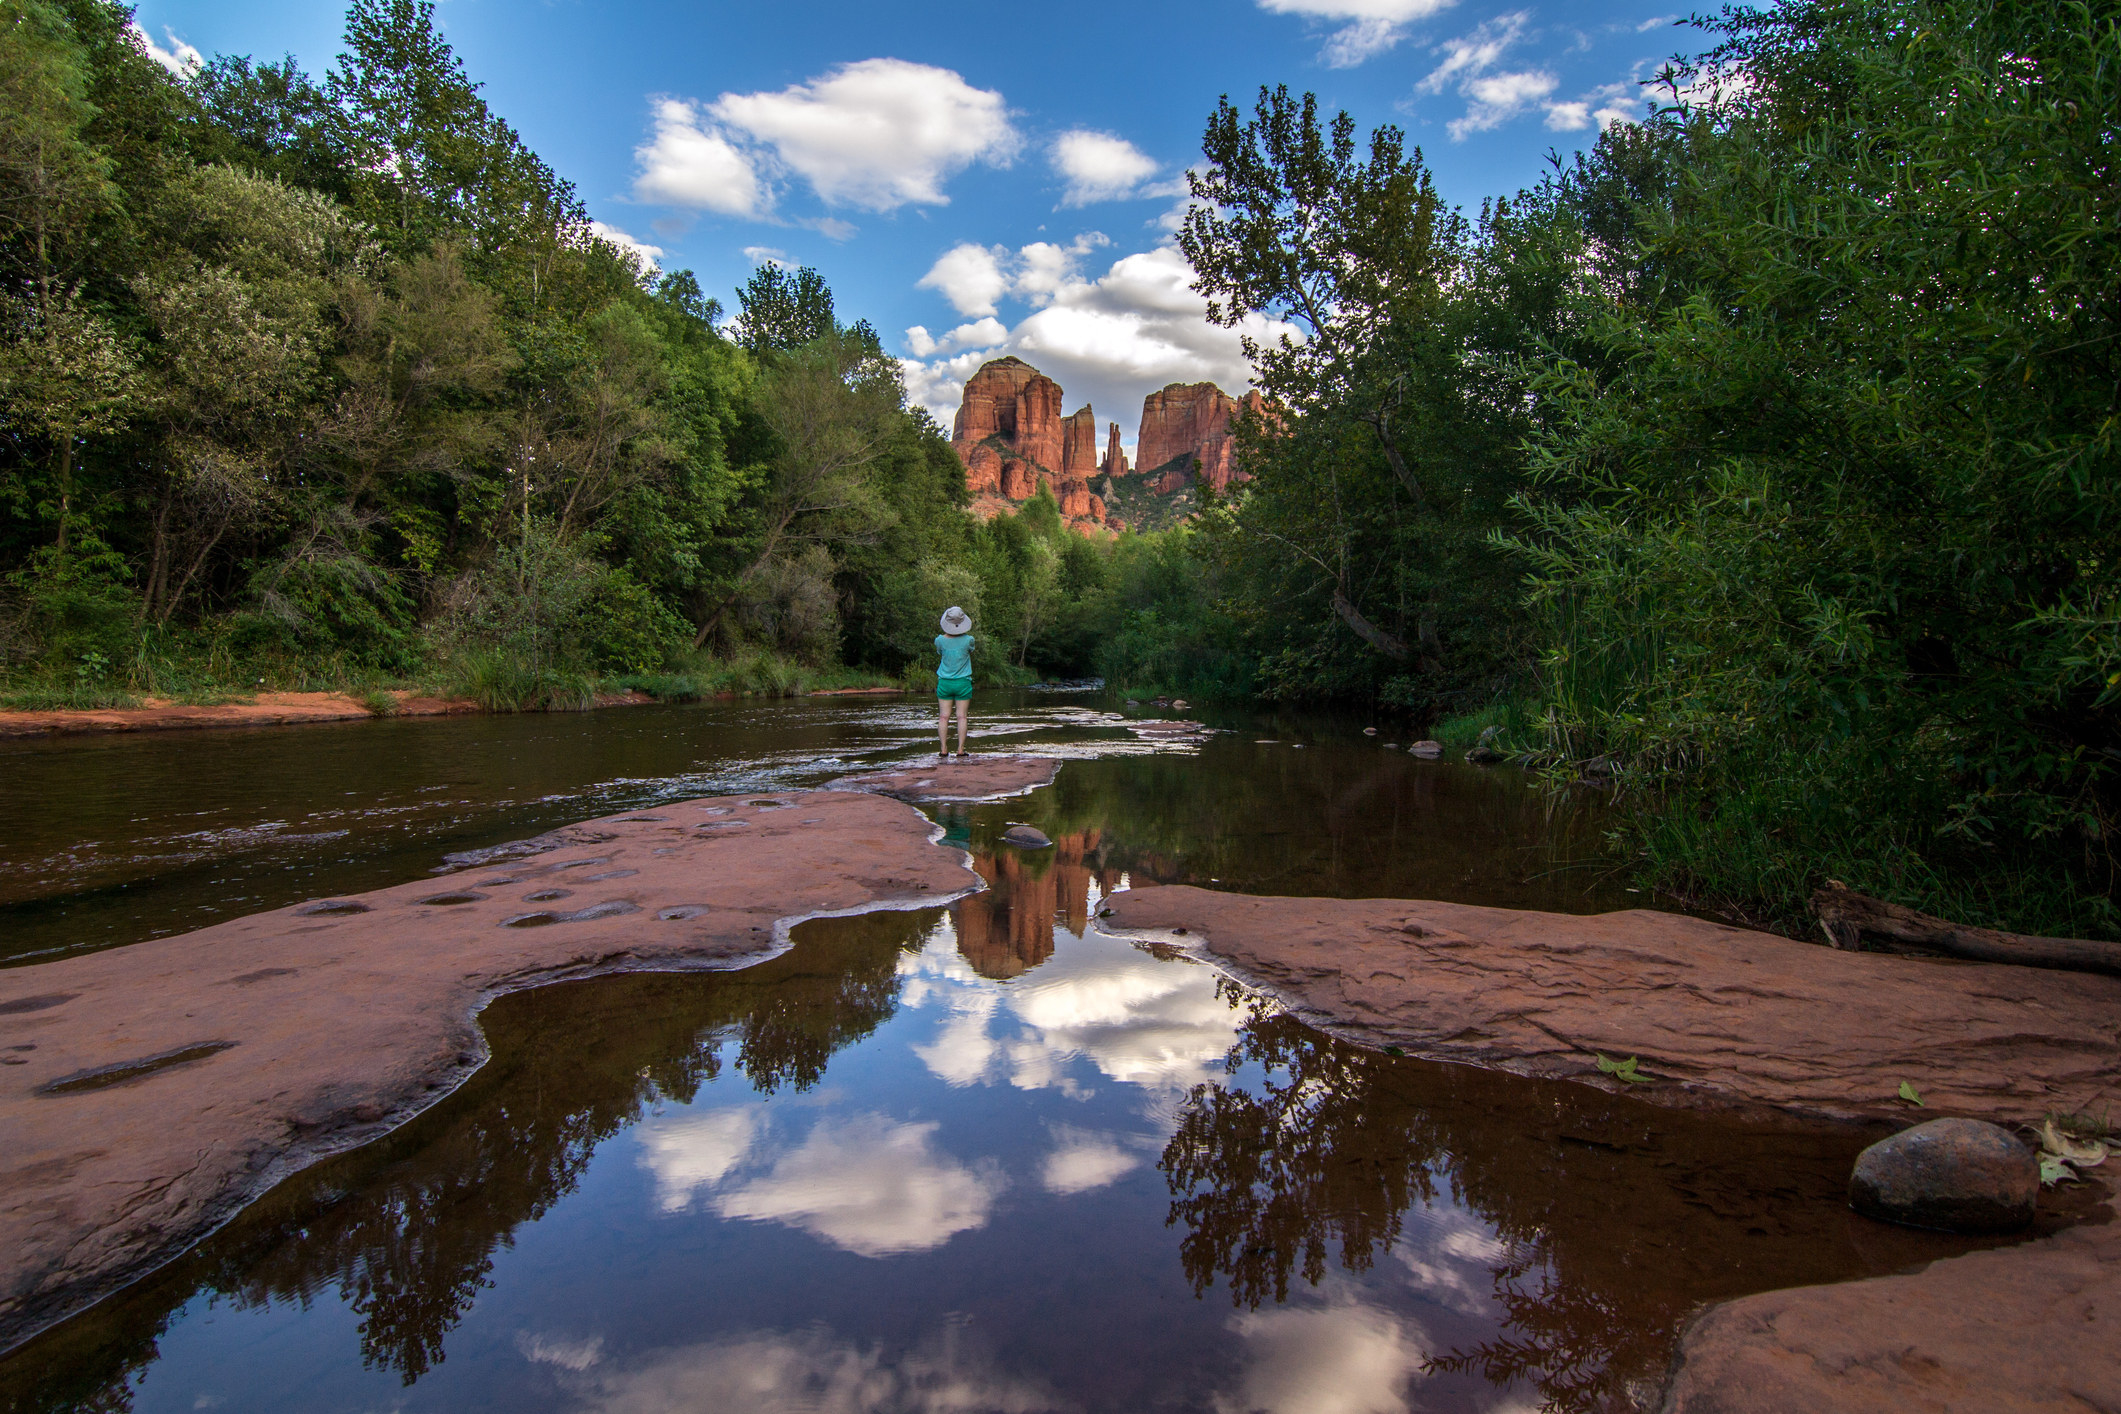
(1616, 1219)
(406, 1228)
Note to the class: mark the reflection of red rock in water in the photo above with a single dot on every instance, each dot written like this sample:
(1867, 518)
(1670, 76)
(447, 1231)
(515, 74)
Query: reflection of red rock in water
(1007, 930)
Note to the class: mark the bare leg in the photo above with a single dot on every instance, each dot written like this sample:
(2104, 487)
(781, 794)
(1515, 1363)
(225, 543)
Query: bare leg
(942, 727)
(964, 715)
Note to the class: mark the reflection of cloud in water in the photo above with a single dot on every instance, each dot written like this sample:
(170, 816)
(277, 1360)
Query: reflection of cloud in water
(559, 1351)
(1345, 1358)
(1081, 1161)
(869, 1185)
(1141, 1021)
(1451, 1256)
(865, 1183)
(811, 1371)
(694, 1151)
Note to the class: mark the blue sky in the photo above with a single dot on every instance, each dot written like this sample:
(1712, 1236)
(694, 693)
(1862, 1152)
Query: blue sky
(986, 179)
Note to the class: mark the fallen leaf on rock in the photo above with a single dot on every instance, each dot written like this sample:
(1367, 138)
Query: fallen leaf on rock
(2053, 1171)
(2084, 1153)
(1622, 1070)
(1909, 1093)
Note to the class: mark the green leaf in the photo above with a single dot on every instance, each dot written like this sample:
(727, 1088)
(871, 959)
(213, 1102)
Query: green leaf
(1622, 1070)
(1909, 1093)
(2053, 1171)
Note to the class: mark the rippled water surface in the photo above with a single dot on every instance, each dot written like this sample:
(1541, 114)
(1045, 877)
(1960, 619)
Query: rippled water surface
(969, 1159)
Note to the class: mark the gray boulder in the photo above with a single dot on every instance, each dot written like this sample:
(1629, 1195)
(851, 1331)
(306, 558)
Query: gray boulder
(1953, 1175)
(1026, 837)
(1427, 750)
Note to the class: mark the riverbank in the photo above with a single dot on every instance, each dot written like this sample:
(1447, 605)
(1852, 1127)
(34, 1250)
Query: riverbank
(152, 1091)
(1723, 1018)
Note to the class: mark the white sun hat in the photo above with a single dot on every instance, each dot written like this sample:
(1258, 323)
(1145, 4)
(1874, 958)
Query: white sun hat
(956, 620)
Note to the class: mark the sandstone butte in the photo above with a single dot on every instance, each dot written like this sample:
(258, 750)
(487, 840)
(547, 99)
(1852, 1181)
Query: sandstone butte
(1724, 1018)
(153, 1090)
(1011, 436)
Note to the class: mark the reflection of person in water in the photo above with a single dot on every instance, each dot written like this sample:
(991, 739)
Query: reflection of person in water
(953, 680)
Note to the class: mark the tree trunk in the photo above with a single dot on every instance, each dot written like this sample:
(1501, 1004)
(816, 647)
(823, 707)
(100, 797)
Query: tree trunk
(1368, 632)
(1848, 916)
(1398, 463)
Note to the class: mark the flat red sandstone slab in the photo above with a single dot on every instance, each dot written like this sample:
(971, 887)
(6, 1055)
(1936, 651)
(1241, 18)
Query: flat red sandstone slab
(264, 1043)
(2034, 1327)
(977, 778)
(1725, 1017)
(1722, 1017)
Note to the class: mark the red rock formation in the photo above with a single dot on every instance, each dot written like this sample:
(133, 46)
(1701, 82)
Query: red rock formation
(1019, 482)
(1010, 399)
(1079, 443)
(1192, 420)
(1115, 462)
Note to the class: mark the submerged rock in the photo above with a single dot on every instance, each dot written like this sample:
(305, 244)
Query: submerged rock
(1954, 1175)
(1427, 750)
(1026, 837)
(1483, 755)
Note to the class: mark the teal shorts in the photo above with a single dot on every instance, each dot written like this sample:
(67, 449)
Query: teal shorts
(953, 689)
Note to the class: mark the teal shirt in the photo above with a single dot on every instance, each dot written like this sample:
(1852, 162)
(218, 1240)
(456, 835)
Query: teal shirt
(957, 655)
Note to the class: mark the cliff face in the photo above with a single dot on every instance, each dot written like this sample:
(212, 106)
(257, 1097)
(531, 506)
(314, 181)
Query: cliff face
(1010, 399)
(1191, 420)
(1012, 439)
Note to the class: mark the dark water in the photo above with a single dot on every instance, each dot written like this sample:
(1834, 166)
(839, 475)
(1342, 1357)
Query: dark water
(976, 1158)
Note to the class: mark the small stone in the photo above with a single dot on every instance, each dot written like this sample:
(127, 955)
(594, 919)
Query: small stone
(1483, 755)
(1427, 750)
(1369, 731)
(1953, 1175)
(1025, 837)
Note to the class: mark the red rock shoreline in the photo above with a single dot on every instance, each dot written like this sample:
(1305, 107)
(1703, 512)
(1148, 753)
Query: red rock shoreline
(156, 1089)
(1748, 1022)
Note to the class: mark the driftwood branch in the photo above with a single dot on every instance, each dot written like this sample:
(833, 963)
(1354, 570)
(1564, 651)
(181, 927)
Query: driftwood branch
(1368, 632)
(1848, 917)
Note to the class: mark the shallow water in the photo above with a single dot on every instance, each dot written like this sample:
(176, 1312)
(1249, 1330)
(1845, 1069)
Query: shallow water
(974, 1158)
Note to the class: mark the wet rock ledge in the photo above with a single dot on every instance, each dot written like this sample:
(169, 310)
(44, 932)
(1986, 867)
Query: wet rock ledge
(150, 1091)
(977, 778)
(1726, 1018)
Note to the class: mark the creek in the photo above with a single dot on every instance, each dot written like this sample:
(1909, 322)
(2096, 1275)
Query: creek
(981, 1157)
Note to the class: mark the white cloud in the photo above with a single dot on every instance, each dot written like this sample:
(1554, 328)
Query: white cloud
(1605, 106)
(651, 256)
(1370, 26)
(691, 163)
(1497, 98)
(180, 58)
(878, 134)
(1081, 1161)
(1659, 22)
(816, 1371)
(1107, 340)
(869, 1185)
(1344, 1358)
(1099, 166)
(1475, 53)
(981, 333)
(970, 277)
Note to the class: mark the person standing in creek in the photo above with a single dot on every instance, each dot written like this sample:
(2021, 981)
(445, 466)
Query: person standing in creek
(953, 680)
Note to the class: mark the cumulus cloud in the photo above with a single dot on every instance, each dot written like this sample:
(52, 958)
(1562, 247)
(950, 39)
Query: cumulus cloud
(650, 256)
(817, 1371)
(180, 58)
(1497, 98)
(1609, 104)
(1367, 27)
(1108, 339)
(689, 162)
(768, 255)
(980, 333)
(969, 276)
(1343, 1358)
(1475, 53)
(874, 135)
(1099, 166)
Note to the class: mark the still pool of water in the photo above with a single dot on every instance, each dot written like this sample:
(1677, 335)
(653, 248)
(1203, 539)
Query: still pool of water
(967, 1159)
